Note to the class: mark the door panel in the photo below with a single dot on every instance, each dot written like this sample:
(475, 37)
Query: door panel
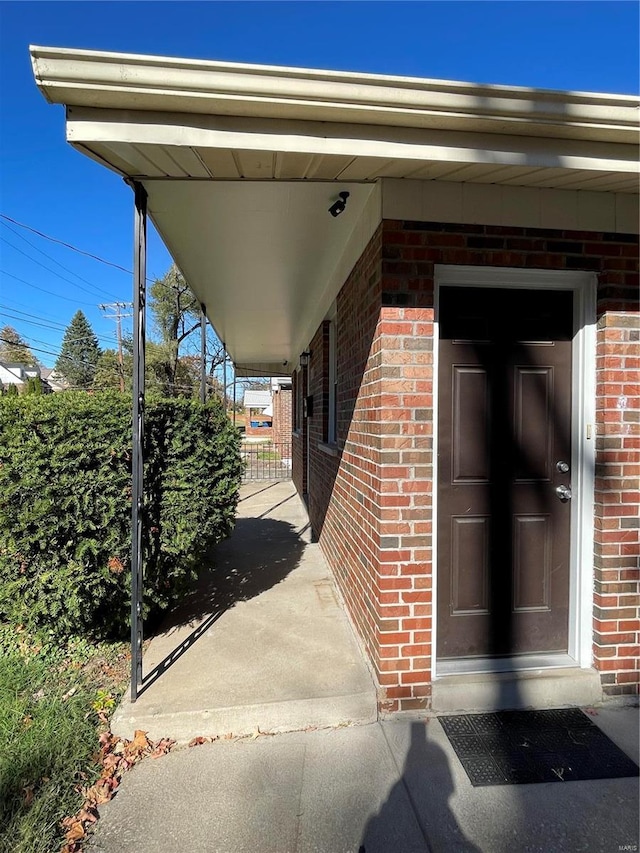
(504, 423)
(470, 392)
(534, 422)
(470, 565)
(531, 562)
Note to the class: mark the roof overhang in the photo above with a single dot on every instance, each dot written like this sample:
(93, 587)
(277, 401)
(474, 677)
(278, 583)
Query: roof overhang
(240, 163)
(131, 81)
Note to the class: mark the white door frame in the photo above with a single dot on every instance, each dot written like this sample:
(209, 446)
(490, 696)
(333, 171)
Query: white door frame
(583, 436)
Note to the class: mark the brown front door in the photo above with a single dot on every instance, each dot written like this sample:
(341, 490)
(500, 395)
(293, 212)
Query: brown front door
(504, 433)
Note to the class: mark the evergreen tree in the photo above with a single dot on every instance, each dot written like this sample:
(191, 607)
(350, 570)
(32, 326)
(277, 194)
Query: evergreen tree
(34, 385)
(79, 353)
(13, 349)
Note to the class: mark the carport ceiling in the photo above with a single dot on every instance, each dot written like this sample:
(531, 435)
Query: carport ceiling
(260, 256)
(241, 162)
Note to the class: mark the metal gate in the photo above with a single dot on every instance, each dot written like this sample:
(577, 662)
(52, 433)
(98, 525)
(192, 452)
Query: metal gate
(266, 460)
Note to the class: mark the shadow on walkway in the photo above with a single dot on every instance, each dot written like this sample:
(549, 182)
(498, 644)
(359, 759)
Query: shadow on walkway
(260, 554)
(261, 642)
(427, 783)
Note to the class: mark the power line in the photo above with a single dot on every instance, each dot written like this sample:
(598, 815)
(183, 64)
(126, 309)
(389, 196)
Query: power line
(51, 258)
(55, 327)
(149, 380)
(48, 269)
(73, 248)
(66, 245)
(40, 316)
(46, 317)
(70, 246)
(44, 290)
(48, 352)
(47, 343)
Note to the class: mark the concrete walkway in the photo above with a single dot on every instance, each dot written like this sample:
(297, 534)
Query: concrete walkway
(264, 646)
(390, 787)
(263, 643)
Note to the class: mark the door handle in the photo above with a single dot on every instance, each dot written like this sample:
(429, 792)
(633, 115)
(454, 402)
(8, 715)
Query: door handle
(564, 493)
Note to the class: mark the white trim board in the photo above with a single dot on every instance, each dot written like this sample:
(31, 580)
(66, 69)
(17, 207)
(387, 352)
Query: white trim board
(583, 392)
(518, 206)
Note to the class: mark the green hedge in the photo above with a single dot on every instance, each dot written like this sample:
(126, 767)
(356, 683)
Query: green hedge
(65, 506)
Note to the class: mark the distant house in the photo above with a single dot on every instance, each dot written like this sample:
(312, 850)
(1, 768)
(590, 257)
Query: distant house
(268, 411)
(18, 374)
(54, 379)
(258, 421)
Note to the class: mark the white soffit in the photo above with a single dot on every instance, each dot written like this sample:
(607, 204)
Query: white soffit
(260, 257)
(168, 145)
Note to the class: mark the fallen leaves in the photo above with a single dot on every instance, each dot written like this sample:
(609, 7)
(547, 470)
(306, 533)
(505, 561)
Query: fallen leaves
(116, 756)
(115, 565)
(259, 733)
(199, 740)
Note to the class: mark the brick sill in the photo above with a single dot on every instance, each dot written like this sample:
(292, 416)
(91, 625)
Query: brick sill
(329, 449)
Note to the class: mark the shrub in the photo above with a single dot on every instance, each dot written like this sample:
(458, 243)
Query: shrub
(65, 505)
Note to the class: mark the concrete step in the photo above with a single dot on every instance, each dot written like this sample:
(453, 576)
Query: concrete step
(239, 720)
(502, 691)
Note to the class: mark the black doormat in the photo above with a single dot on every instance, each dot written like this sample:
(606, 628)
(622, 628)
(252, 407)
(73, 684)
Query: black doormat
(523, 747)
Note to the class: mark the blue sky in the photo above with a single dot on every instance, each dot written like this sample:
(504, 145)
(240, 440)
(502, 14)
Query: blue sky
(45, 184)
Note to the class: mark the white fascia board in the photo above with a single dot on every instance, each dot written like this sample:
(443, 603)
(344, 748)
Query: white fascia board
(110, 80)
(91, 126)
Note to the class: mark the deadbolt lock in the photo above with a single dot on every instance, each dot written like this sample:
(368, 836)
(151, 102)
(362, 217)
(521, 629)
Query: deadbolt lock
(562, 467)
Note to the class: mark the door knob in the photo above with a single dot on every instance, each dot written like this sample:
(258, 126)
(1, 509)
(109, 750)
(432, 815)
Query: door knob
(564, 493)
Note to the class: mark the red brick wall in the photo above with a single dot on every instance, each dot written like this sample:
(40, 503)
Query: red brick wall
(406, 409)
(371, 504)
(616, 637)
(344, 479)
(282, 416)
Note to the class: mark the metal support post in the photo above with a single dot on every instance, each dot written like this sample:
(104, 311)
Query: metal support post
(234, 393)
(137, 469)
(224, 378)
(203, 355)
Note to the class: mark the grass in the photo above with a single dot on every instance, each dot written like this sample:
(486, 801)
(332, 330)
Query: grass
(268, 455)
(53, 701)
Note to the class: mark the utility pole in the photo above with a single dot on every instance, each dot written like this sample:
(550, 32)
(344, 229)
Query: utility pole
(114, 311)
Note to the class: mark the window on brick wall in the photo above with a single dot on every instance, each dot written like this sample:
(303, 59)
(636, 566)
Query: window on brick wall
(332, 428)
